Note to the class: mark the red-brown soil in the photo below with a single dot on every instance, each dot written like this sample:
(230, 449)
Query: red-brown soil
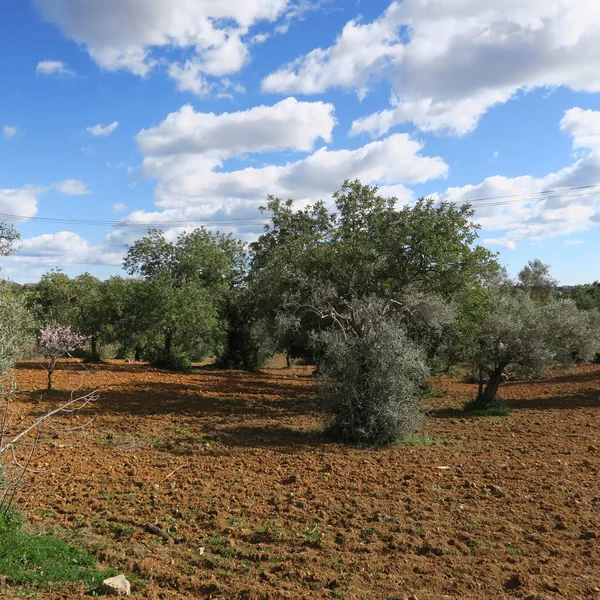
(261, 505)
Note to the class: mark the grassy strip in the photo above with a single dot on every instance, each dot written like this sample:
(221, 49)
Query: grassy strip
(39, 561)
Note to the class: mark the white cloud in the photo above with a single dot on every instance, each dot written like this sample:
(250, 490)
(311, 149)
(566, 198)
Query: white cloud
(186, 153)
(529, 208)
(10, 131)
(65, 248)
(287, 125)
(22, 202)
(191, 179)
(359, 51)
(574, 242)
(72, 187)
(118, 207)
(103, 130)
(449, 62)
(52, 67)
(189, 78)
(123, 34)
(584, 127)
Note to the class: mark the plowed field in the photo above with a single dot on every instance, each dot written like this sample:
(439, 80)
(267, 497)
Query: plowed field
(258, 504)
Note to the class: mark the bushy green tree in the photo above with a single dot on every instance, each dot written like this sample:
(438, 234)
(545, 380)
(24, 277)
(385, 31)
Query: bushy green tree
(8, 236)
(16, 330)
(367, 246)
(517, 330)
(72, 302)
(586, 296)
(536, 279)
(186, 285)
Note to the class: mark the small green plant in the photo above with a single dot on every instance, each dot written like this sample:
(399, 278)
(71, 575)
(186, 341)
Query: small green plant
(121, 530)
(217, 541)
(367, 534)
(233, 522)
(312, 533)
(474, 408)
(511, 549)
(27, 559)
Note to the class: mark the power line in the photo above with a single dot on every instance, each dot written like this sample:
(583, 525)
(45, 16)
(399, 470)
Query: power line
(123, 223)
(550, 194)
(540, 193)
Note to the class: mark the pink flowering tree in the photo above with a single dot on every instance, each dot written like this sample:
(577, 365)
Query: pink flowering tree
(57, 341)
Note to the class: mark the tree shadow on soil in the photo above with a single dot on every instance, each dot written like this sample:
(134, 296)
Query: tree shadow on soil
(589, 398)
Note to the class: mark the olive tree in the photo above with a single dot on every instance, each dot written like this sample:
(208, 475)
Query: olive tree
(517, 330)
(8, 236)
(535, 277)
(16, 325)
(373, 375)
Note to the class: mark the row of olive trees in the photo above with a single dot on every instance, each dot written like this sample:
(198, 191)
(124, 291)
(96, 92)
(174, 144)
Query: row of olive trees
(374, 294)
(379, 295)
(171, 309)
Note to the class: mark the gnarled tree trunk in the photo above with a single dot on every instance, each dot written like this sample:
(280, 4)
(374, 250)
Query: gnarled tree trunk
(488, 397)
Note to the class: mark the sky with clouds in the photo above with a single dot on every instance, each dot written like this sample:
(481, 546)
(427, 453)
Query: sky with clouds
(116, 115)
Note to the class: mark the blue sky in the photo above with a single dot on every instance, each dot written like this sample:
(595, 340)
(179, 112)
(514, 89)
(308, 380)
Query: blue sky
(181, 112)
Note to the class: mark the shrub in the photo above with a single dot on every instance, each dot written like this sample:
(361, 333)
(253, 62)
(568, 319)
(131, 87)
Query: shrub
(373, 377)
(175, 360)
(15, 330)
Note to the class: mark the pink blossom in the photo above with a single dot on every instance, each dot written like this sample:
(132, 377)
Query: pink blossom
(59, 340)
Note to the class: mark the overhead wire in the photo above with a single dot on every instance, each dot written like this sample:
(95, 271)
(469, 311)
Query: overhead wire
(565, 193)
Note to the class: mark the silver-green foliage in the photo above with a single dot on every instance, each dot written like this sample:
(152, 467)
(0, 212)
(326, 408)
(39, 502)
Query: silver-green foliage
(531, 335)
(15, 330)
(373, 375)
(527, 335)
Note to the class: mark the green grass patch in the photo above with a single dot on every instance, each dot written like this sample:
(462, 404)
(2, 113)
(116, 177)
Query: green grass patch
(475, 409)
(40, 560)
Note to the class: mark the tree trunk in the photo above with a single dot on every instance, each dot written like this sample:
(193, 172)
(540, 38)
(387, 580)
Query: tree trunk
(50, 372)
(168, 342)
(138, 355)
(288, 360)
(491, 389)
(95, 355)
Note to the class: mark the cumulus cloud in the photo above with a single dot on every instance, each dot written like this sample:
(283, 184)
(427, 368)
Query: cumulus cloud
(186, 152)
(188, 77)
(10, 131)
(584, 127)
(190, 179)
(287, 125)
(72, 187)
(52, 67)
(449, 62)
(118, 207)
(19, 204)
(124, 34)
(103, 130)
(65, 248)
(529, 208)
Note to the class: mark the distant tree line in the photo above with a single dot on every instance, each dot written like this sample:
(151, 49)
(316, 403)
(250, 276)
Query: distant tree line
(378, 296)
